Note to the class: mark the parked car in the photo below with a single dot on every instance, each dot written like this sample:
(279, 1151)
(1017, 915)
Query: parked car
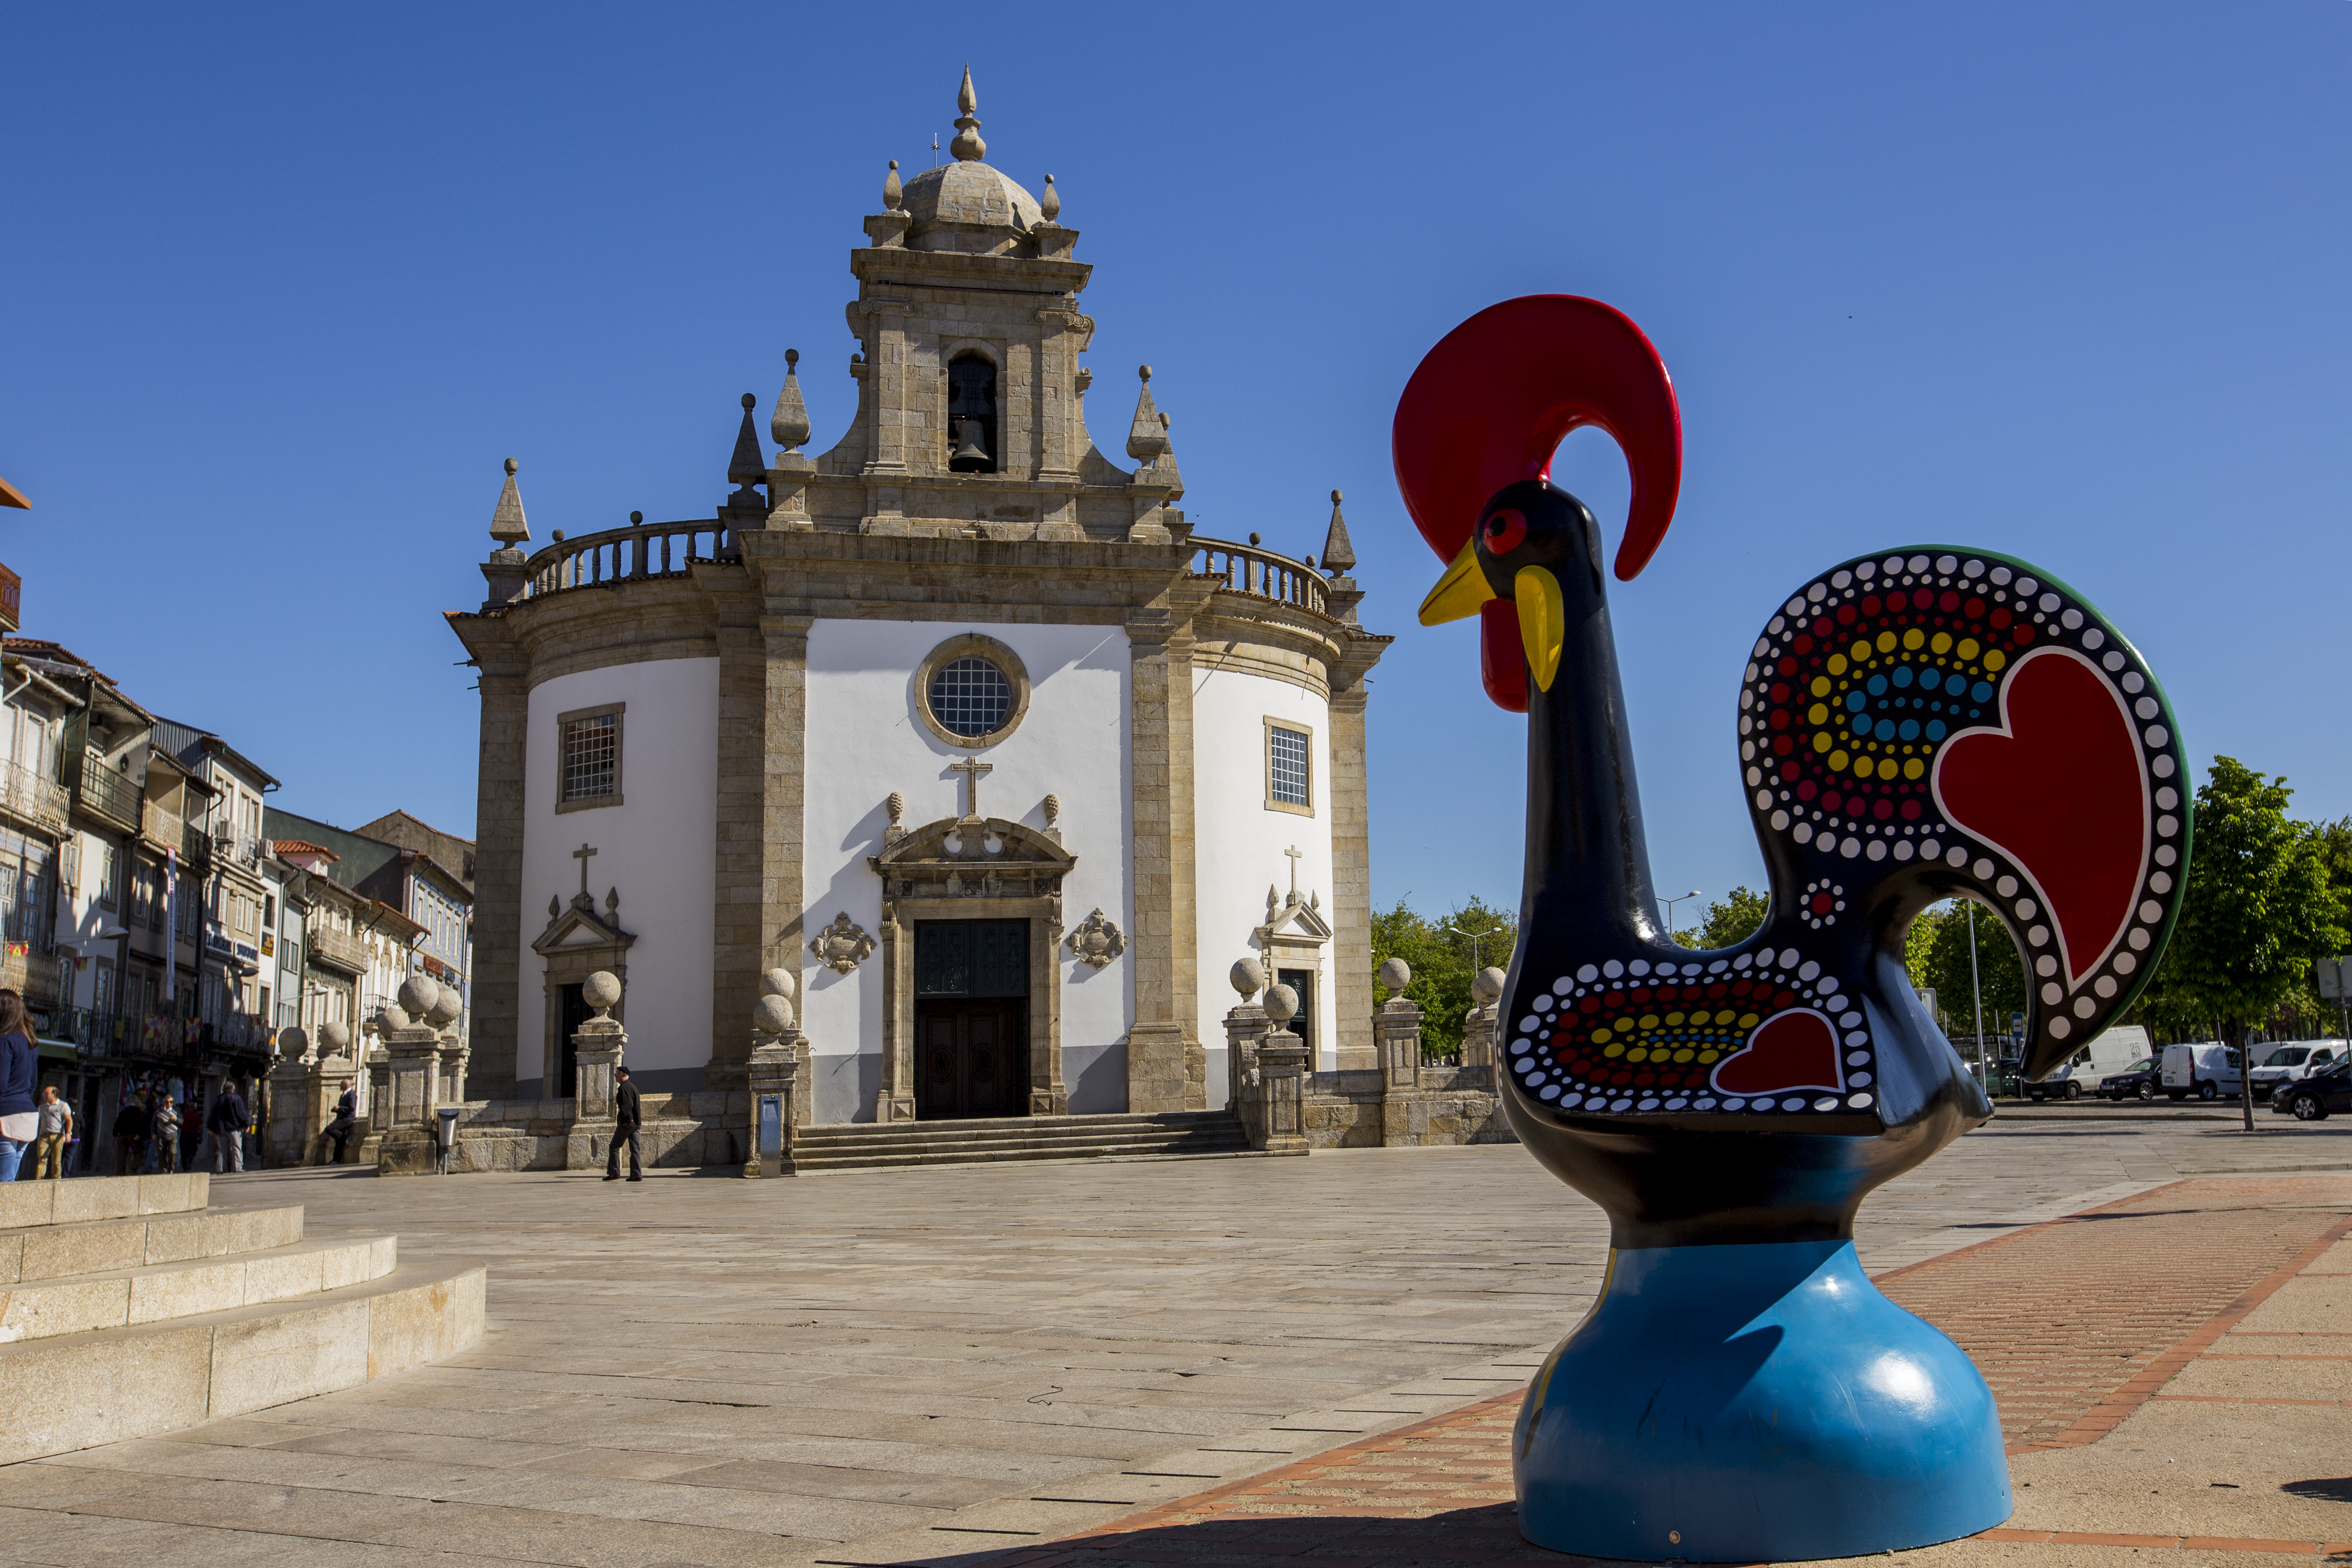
(2112, 1051)
(2315, 1098)
(2208, 1069)
(2287, 1064)
(2137, 1081)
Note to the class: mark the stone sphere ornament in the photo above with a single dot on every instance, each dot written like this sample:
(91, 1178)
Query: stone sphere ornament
(1281, 1005)
(395, 1016)
(334, 1038)
(291, 1041)
(601, 991)
(447, 1008)
(1486, 985)
(1248, 977)
(772, 1013)
(778, 983)
(1394, 975)
(1913, 724)
(418, 993)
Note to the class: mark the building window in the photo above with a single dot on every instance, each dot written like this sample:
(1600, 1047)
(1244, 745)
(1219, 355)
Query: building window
(1289, 768)
(972, 692)
(110, 873)
(972, 416)
(589, 760)
(970, 697)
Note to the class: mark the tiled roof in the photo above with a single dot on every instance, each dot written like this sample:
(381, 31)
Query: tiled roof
(300, 846)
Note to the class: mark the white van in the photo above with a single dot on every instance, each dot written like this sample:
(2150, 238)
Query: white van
(2278, 1066)
(2110, 1051)
(2207, 1069)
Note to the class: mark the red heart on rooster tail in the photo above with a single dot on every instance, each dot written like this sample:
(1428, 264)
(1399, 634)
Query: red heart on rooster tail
(2059, 788)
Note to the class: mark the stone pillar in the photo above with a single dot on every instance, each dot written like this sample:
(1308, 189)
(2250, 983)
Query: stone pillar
(1245, 1026)
(1165, 1063)
(1278, 1126)
(454, 1052)
(1351, 868)
(294, 1118)
(778, 1054)
(497, 889)
(1480, 1025)
(412, 1046)
(331, 1075)
(1398, 1025)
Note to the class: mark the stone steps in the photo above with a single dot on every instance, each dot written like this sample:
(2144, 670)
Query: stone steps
(864, 1146)
(128, 1309)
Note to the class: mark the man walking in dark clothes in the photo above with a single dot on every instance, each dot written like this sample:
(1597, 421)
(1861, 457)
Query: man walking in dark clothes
(625, 1118)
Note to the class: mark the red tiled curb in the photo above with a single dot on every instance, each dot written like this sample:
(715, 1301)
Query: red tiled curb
(2106, 1417)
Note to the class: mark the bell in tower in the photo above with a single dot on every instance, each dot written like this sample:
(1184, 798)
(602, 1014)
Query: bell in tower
(972, 414)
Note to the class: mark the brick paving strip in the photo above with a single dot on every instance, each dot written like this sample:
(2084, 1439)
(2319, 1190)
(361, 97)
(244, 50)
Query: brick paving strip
(2115, 1301)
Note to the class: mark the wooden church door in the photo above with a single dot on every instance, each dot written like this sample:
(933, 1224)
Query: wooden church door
(972, 1006)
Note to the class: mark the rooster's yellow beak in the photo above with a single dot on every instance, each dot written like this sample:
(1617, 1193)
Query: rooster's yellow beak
(1543, 622)
(1459, 593)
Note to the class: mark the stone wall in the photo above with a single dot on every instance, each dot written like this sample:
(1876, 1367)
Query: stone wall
(1356, 1110)
(707, 1128)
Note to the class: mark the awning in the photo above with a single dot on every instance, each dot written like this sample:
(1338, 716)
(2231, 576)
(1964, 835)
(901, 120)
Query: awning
(56, 1050)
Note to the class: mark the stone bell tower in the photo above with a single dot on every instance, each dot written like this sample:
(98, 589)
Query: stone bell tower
(971, 400)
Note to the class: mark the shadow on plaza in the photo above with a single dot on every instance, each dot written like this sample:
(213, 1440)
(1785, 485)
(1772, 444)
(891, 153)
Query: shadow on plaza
(1469, 1535)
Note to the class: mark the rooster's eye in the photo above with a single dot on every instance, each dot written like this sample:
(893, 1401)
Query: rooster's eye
(1504, 530)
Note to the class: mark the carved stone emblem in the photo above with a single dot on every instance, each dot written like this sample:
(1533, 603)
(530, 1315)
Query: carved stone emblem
(1096, 941)
(843, 945)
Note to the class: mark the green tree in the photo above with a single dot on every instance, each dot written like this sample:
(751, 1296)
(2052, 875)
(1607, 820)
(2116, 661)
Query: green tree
(1998, 969)
(1919, 947)
(1441, 961)
(2261, 906)
(1735, 917)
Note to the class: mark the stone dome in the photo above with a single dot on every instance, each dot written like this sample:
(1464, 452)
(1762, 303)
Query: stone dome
(967, 206)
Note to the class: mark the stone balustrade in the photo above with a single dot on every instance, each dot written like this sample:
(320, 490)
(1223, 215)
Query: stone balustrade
(1262, 573)
(618, 556)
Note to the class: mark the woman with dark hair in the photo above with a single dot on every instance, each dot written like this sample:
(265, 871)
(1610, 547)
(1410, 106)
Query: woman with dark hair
(20, 1075)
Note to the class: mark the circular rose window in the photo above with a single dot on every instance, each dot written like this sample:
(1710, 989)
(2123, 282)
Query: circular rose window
(971, 691)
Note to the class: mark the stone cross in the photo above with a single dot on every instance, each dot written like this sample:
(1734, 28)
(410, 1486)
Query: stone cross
(972, 769)
(582, 854)
(1295, 852)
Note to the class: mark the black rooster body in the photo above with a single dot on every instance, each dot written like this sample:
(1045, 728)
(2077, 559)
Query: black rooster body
(1913, 725)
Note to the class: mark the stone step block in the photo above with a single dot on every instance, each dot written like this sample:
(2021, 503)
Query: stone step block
(79, 1390)
(99, 1197)
(56, 1251)
(871, 1159)
(129, 1298)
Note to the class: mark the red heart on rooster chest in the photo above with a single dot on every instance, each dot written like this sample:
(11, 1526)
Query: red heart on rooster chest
(1792, 1051)
(2060, 789)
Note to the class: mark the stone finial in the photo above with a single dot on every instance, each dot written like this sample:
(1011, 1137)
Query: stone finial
(772, 1015)
(334, 1038)
(894, 194)
(612, 904)
(1281, 1005)
(1394, 975)
(1049, 205)
(967, 146)
(418, 994)
(1487, 986)
(1248, 977)
(445, 1008)
(778, 983)
(789, 425)
(1147, 437)
(896, 805)
(291, 1041)
(1273, 899)
(601, 991)
(748, 467)
(1053, 810)
(506, 524)
(1338, 552)
(554, 906)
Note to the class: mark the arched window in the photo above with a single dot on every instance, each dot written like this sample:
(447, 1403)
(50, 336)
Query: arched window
(972, 414)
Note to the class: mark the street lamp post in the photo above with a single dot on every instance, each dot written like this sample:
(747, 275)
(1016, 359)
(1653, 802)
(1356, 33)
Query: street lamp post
(1670, 903)
(1476, 938)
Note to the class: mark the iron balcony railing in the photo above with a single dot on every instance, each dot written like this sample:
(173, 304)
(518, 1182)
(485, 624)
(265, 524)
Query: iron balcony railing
(108, 794)
(31, 797)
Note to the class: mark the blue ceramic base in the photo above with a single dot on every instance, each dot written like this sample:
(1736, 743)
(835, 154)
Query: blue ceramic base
(1754, 1404)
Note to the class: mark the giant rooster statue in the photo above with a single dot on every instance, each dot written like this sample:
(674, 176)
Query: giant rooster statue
(1913, 724)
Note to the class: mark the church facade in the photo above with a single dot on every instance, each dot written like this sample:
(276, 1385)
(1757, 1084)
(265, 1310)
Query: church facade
(958, 722)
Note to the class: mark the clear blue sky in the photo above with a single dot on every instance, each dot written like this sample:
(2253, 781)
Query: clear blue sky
(280, 288)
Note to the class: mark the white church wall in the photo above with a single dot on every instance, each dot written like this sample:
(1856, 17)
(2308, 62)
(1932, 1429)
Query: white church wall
(655, 847)
(866, 739)
(1239, 840)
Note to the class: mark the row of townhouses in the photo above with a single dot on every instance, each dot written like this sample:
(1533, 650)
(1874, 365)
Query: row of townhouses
(165, 923)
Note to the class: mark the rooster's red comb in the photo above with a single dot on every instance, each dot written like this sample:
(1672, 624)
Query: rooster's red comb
(1491, 401)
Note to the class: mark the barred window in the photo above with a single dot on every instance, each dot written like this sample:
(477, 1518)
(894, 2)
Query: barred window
(1287, 766)
(591, 756)
(970, 697)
